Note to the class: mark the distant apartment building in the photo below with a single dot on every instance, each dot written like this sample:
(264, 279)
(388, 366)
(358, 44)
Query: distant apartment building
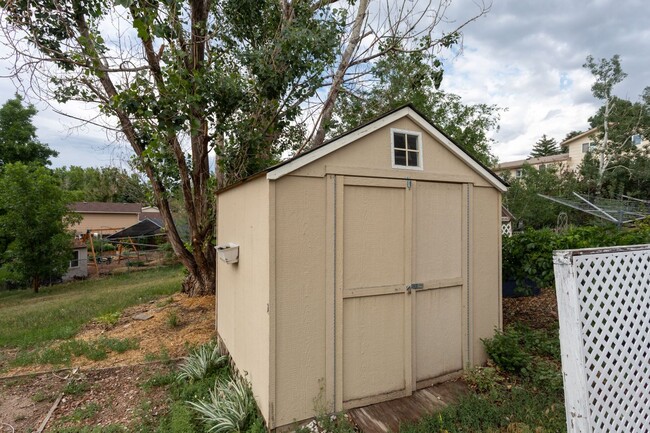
(577, 147)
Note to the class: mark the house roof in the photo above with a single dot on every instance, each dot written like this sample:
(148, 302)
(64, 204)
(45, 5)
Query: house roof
(100, 207)
(532, 161)
(279, 170)
(579, 136)
(506, 215)
(141, 228)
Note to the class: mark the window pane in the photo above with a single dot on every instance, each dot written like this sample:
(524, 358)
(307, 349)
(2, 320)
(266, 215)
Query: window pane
(399, 141)
(400, 157)
(412, 141)
(413, 159)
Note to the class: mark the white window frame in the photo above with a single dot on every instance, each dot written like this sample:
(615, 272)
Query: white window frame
(420, 150)
(636, 139)
(519, 173)
(78, 259)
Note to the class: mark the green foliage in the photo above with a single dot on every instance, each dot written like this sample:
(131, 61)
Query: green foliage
(529, 254)
(403, 78)
(172, 319)
(544, 147)
(528, 207)
(229, 408)
(18, 141)
(104, 184)
(201, 362)
(58, 312)
(506, 352)
(109, 319)
(63, 353)
(76, 387)
(34, 215)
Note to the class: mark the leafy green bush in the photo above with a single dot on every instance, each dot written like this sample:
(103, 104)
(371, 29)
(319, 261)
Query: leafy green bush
(529, 254)
(506, 352)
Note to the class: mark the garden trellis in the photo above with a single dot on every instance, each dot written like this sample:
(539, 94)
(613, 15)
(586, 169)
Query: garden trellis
(604, 310)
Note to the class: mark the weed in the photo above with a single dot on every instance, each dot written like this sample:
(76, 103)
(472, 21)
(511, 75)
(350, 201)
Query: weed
(172, 319)
(83, 413)
(483, 379)
(109, 319)
(111, 428)
(118, 346)
(162, 356)
(159, 379)
(165, 302)
(43, 396)
(76, 387)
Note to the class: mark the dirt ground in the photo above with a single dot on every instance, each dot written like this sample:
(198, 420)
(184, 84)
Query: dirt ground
(109, 391)
(535, 311)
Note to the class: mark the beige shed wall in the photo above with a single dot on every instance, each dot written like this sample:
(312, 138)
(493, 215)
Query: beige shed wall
(300, 296)
(374, 152)
(97, 221)
(243, 289)
(486, 262)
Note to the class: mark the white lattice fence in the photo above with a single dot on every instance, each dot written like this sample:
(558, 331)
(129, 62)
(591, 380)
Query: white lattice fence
(506, 229)
(604, 310)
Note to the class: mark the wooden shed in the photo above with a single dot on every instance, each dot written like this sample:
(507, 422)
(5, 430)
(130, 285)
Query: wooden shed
(368, 268)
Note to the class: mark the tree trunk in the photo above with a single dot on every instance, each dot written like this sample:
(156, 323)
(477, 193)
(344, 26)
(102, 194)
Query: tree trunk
(200, 284)
(36, 283)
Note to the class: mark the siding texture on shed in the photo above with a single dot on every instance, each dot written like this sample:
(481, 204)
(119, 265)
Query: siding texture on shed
(487, 264)
(243, 288)
(374, 152)
(300, 296)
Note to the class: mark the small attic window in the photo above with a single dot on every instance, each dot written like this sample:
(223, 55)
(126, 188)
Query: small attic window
(406, 149)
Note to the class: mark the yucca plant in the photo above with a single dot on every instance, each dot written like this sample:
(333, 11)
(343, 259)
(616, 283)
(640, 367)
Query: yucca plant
(197, 365)
(229, 408)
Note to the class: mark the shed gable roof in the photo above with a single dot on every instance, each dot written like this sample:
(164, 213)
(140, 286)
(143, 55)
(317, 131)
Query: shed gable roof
(289, 166)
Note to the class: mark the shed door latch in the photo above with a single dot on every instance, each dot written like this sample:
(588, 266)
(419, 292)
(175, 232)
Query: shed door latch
(414, 286)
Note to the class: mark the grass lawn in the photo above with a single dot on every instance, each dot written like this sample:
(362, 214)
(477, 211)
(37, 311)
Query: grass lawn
(28, 319)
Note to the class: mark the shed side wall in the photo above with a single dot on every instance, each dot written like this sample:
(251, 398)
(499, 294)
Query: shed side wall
(243, 288)
(300, 296)
(486, 259)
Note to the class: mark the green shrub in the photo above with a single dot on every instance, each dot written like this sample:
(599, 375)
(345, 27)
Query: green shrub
(529, 254)
(506, 352)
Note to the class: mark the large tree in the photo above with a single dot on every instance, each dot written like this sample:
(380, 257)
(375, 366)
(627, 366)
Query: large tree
(105, 184)
(544, 147)
(179, 79)
(617, 120)
(35, 216)
(18, 141)
(414, 77)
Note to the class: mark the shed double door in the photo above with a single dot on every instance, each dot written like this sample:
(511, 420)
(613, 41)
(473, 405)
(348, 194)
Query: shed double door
(400, 249)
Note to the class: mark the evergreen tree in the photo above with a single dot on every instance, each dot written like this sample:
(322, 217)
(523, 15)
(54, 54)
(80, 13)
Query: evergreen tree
(545, 147)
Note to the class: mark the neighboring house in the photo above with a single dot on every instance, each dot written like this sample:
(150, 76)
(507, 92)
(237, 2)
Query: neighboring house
(108, 218)
(367, 268)
(78, 267)
(577, 147)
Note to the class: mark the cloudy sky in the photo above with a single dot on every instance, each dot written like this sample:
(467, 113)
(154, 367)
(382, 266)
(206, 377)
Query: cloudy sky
(525, 56)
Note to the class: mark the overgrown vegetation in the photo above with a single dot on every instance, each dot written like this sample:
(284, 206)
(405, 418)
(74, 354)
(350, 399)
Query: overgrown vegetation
(522, 392)
(529, 254)
(58, 312)
(62, 354)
